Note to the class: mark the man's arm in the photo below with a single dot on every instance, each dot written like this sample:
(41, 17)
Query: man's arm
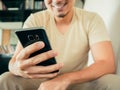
(104, 64)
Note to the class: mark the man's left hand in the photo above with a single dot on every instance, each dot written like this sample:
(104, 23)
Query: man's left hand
(58, 83)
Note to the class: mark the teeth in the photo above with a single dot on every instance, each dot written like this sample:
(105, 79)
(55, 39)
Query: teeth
(58, 5)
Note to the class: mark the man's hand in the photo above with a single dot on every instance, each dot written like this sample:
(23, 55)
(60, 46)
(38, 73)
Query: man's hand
(27, 68)
(58, 83)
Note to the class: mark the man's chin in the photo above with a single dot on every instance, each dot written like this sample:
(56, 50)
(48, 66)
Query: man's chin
(61, 15)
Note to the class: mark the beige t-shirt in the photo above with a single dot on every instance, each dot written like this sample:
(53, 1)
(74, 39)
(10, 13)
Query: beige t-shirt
(86, 29)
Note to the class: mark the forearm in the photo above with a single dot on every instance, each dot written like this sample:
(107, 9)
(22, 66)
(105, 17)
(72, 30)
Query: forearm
(92, 72)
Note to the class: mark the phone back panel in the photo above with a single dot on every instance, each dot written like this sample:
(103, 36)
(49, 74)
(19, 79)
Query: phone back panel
(30, 36)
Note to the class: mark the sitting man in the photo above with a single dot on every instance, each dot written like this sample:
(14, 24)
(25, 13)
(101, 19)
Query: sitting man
(72, 32)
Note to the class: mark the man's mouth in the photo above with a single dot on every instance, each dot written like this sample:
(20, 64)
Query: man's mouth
(59, 5)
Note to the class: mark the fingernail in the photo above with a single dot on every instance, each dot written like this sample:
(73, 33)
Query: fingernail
(41, 43)
(53, 53)
(61, 64)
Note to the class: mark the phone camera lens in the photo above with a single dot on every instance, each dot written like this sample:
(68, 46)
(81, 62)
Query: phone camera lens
(30, 37)
(37, 37)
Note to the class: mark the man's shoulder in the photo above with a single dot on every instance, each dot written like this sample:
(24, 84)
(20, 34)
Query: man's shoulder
(85, 16)
(40, 18)
(42, 13)
(83, 12)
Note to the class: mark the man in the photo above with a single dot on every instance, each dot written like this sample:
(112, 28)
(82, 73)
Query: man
(72, 33)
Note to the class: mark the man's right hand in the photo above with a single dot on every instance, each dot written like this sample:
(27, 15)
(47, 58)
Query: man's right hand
(26, 67)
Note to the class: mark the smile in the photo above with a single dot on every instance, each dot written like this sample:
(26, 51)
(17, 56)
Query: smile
(58, 6)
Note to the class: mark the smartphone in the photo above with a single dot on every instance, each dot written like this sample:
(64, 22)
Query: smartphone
(31, 35)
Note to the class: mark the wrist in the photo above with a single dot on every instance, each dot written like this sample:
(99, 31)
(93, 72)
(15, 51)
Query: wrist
(69, 78)
(65, 79)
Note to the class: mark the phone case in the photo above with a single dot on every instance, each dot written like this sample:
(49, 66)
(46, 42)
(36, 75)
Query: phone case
(31, 35)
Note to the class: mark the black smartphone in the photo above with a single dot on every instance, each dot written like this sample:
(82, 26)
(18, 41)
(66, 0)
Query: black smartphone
(31, 35)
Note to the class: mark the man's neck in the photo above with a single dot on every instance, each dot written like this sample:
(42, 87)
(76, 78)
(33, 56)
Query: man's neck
(64, 23)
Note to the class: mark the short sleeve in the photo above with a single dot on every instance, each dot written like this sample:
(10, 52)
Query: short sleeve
(97, 31)
(38, 19)
(30, 22)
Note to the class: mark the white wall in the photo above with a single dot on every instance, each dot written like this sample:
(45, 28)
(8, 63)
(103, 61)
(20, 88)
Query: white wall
(109, 10)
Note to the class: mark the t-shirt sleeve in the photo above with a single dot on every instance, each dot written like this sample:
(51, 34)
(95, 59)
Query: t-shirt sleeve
(30, 22)
(97, 31)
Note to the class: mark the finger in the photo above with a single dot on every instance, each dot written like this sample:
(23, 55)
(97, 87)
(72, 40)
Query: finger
(21, 73)
(38, 58)
(27, 51)
(50, 75)
(44, 69)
